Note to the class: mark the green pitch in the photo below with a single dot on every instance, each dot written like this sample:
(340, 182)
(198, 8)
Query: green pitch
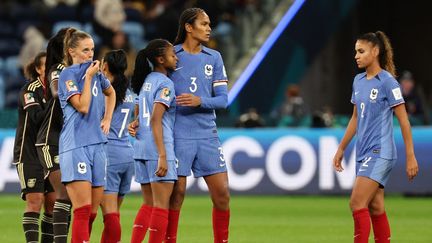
(260, 219)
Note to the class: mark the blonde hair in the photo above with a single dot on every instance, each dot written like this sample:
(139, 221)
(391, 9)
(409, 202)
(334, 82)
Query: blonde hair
(71, 40)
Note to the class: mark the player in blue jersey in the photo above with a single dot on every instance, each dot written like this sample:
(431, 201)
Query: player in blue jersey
(36, 191)
(82, 91)
(49, 133)
(200, 83)
(376, 95)
(120, 166)
(155, 167)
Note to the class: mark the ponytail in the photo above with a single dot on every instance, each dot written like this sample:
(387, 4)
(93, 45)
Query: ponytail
(117, 65)
(385, 57)
(146, 60)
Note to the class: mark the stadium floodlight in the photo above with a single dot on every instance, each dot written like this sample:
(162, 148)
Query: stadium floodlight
(265, 48)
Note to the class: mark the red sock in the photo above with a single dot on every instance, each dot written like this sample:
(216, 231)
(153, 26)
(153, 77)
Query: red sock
(220, 225)
(91, 220)
(158, 225)
(361, 225)
(381, 228)
(112, 228)
(141, 224)
(80, 224)
(173, 219)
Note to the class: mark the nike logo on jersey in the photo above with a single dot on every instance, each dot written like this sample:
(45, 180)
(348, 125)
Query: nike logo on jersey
(356, 93)
(178, 68)
(222, 164)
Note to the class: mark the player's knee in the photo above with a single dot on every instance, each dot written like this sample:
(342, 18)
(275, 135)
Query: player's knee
(356, 204)
(221, 200)
(177, 198)
(34, 202)
(376, 208)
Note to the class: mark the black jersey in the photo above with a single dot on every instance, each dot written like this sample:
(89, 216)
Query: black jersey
(31, 112)
(51, 126)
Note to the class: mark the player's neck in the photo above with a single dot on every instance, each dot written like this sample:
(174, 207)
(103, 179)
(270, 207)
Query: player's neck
(372, 71)
(192, 46)
(160, 70)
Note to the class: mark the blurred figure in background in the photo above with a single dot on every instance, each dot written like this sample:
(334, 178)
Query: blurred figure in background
(109, 16)
(34, 42)
(413, 100)
(293, 110)
(250, 119)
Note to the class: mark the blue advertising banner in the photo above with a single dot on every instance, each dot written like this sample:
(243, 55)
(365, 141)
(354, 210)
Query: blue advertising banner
(281, 161)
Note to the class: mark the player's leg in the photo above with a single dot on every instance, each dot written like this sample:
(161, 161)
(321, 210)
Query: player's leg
(219, 193)
(142, 219)
(48, 155)
(363, 192)
(47, 218)
(380, 222)
(159, 217)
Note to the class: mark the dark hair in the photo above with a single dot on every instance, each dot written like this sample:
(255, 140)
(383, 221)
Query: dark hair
(54, 56)
(187, 17)
(117, 65)
(30, 70)
(144, 59)
(71, 39)
(385, 57)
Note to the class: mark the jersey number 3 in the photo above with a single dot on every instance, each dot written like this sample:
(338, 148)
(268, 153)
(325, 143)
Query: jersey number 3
(194, 85)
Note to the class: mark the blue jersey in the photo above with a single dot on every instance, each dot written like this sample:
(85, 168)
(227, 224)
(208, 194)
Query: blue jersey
(157, 88)
(78, 129)
(374, 100)
(197, 74)
(118, 134)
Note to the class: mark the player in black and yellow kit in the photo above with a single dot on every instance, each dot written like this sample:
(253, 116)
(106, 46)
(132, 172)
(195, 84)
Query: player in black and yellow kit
(36, 191)
(48, 136)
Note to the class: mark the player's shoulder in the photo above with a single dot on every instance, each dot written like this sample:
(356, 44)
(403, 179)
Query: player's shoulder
(211, 52)
(359, 76)
(33, 85)
(386, 77)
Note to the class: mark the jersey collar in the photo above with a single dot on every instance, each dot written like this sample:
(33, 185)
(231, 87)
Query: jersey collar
(179, 48)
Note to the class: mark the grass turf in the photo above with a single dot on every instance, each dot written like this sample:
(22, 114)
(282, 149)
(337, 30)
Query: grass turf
(260, 219)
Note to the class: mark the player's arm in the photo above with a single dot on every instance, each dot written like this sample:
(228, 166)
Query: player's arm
(218, 101)
(157, 129)
(349, 134)
(81, 102)
(110, 101)
(53, 82)
(411, 161)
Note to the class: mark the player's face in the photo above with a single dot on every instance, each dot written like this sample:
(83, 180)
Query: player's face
(170, 58)
(200, 30)
(83, 52)
(41, 69)
(366, 53)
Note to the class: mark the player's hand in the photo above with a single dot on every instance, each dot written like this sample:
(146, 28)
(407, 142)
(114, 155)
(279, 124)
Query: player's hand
(93, 68)
(186, 99)
(105, 125)
(133, 127)
(337, 160)
(411, 167)
(162, 168)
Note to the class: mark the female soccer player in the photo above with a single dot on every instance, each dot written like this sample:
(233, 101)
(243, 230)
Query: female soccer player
(49, 133)
(86, 123)
(155, 167)
(200, 82)
(376, 95)
(120, 167)
(30, 171)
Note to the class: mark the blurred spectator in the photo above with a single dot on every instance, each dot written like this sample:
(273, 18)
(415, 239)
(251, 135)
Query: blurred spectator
(250, 119)
(120, 41)
(292, 111)
(109, 16)
(413, 101)
(34, 42)
(323, 118)
(54, 3)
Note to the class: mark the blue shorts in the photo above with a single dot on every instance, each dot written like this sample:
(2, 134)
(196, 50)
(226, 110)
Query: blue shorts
(119, 178)
(375, 168)
(84, 164)
(145, 172)
(203, 156)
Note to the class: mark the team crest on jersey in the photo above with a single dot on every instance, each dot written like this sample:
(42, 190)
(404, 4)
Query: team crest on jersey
(29, 98)
(208, 70)
(374, 94)
(71, 86)
(165, 94)
(31, 182)
(82, 168)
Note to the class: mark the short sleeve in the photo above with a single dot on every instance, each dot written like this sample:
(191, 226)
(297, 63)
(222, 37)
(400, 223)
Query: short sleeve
(353, 93)
(165, 94)
(105, 83)
(28, 98)
(393, 92)
(219, 70)
(68, 85)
